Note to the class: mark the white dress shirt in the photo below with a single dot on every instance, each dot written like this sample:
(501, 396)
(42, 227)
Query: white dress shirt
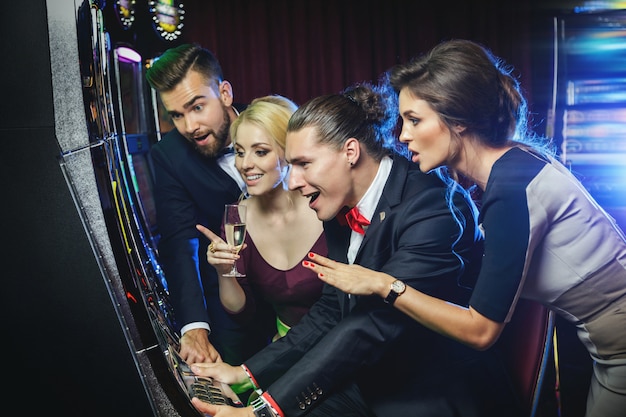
(368, 204)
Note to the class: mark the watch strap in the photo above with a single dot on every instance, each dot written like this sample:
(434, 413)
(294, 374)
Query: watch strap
(391, 297)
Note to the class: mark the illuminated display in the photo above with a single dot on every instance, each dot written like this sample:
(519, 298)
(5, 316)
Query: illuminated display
(125, 10)
(593, 55)
(595, 5)
(590, 100)
(167, 17)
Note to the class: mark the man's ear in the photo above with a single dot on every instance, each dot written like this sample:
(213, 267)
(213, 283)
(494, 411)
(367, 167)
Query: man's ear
(352, 149)
(226, 93)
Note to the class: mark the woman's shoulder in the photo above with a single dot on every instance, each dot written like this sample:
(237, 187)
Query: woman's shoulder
(518, 165)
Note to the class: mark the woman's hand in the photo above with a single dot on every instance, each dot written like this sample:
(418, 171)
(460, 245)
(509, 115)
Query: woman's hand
(222, 256)
(351, 279)
(220, 371)
(219, 253)
(228, 377)
(221, 410)
(224, 375)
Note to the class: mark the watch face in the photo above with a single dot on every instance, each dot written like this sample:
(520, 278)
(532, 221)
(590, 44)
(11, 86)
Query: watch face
(398, 286)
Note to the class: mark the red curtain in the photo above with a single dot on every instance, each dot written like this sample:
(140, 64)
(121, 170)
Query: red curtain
(304, 48)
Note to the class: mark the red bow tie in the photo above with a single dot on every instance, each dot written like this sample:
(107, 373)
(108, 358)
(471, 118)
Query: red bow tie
(356, 221)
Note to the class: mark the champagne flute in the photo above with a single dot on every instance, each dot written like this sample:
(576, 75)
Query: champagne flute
(235, 228)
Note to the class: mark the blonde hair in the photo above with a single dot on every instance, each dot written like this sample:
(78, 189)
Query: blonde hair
(270, 113)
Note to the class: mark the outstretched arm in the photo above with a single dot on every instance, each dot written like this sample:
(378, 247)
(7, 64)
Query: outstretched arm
(465, 325)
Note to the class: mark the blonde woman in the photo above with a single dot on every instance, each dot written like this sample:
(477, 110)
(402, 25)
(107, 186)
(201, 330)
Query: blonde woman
(281, 228)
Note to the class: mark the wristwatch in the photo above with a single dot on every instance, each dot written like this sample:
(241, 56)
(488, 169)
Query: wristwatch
(396, 288)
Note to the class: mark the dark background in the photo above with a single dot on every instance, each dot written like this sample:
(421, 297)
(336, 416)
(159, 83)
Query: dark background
(65, 353)
(305, 48)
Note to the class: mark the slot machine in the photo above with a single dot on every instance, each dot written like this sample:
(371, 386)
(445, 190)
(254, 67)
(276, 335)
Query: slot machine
(589, 102)
(109, 176)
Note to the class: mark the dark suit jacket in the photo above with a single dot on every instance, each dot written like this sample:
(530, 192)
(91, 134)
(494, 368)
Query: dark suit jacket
(190, 189)
(400, 366)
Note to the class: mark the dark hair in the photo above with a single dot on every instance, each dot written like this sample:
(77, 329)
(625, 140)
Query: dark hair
(467, 85)
(363, 111)
(171, 67)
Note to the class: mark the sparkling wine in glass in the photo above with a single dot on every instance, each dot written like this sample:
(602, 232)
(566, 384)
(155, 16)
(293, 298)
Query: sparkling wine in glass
(235, 228)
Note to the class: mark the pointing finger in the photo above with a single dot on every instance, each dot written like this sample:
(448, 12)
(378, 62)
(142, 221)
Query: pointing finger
(206, 232)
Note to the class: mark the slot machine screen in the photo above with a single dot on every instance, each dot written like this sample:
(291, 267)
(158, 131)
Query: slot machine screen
(133, 122)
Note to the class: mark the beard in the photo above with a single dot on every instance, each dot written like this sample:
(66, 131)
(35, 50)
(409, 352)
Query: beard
(212, 149)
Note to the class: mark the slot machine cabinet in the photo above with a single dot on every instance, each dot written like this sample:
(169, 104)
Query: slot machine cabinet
(93, 331)
(66, 350)
(97, 169)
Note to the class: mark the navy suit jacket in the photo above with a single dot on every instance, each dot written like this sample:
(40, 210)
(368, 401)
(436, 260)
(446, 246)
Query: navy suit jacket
(189, 189)
(400, 366)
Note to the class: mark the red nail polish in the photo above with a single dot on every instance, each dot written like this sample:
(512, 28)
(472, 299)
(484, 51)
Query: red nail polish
(311, 254)
(305, 263)
(321, 275)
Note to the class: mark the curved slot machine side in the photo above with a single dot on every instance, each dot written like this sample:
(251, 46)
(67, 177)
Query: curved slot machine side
(109, 181)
